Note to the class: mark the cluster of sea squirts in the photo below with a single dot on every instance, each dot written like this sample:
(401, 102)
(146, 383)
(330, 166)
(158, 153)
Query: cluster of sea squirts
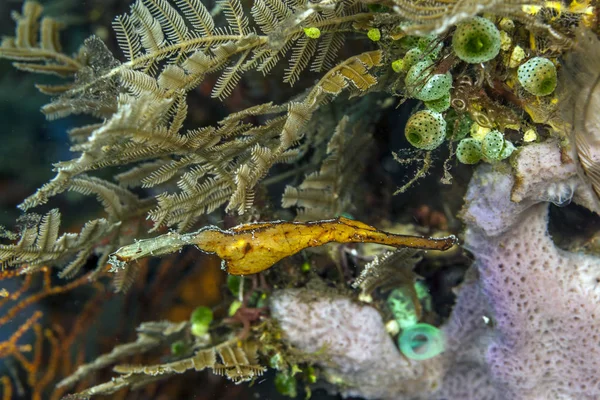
(416, 340)
(476, 40)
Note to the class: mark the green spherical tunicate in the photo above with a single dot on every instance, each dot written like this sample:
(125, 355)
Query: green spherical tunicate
(201, 318)
(459, 125)
(402, 307)
(507, 150)
(313, 33)
(428, 45)
(374, 34)
(407, 42)
(439, 105)
(178, 348)
(492, 145)
(468, 151)
(538, 76)
(412, 57)
(285, 384)
(476, 40)
(233, 284)
(422, 85)
(425, 130)
(421, 342)
(398, 66)
(423, 294)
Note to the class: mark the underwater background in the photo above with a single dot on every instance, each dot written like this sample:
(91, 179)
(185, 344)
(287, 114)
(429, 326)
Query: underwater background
(325, 322)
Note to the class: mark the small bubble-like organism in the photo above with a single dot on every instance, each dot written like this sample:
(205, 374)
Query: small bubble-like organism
(398, 66)
(313, 33)
(430, 45)
(233, 307)
(468, 151)
(425, 130)
(374, 34)
(286, 384)
(459, 125)
(516, 56)
(507, 150)
(538, 76)
(200, 319)
(423, 295)
(495, 148)
(439, 105)
(421, 341)
(476, 40)
(492, 145)
(412, 57)
(423, 88)
(402, 307)
(530, 135)
(178, 348)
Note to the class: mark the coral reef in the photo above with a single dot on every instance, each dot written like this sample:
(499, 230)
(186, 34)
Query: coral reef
(198, 138)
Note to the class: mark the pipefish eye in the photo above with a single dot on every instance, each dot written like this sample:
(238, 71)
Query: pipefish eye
(421, 342)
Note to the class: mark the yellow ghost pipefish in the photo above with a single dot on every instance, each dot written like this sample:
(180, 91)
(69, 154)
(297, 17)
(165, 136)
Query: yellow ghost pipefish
(251, 248)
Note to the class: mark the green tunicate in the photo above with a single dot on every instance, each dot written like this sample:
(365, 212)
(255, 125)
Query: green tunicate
(305, 267)
(313, 33)
(425, 130)
(178, 348)
(276, 361)
(494, 147)
(422, 85)
(285, 384)
(233, 307)
(427, 44)
(262, 300)
(201, 318)
(468, 151)
(538, 76)
(398, 66)
(492, 144)
(459, 125)
(507, 150)
(423, 294)
(310, 374)
(421, 342)
(233, 284)
(345, 215)
(439, 105)
(374, 34)
(412, 57)
(402, 307)
(476, 40)
(407, 42)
